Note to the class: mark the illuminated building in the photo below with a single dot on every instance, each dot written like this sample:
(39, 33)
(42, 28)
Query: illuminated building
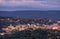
(11, 27)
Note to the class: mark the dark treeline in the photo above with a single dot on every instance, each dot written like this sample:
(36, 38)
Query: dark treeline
(35, 34)
(5, 21)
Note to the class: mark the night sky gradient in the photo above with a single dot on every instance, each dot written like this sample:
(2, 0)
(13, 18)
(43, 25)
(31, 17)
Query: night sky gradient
(13, 5)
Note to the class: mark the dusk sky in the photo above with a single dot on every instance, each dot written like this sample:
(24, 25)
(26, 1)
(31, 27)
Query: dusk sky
(12, 5)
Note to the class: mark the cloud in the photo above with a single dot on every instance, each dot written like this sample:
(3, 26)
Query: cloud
(31, 3)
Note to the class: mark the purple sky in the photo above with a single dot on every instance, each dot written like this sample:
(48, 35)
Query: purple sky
(11, 5)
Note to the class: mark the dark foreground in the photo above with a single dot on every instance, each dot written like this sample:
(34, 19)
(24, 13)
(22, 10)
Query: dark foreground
(34, 34)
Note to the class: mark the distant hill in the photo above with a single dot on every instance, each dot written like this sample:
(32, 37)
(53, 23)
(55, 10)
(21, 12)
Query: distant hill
(54, 14)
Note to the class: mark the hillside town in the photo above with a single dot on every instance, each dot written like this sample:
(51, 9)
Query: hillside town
(9, 24)
(27, 28)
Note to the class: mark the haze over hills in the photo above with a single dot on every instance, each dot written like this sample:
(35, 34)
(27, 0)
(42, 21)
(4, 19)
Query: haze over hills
(55, 14)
